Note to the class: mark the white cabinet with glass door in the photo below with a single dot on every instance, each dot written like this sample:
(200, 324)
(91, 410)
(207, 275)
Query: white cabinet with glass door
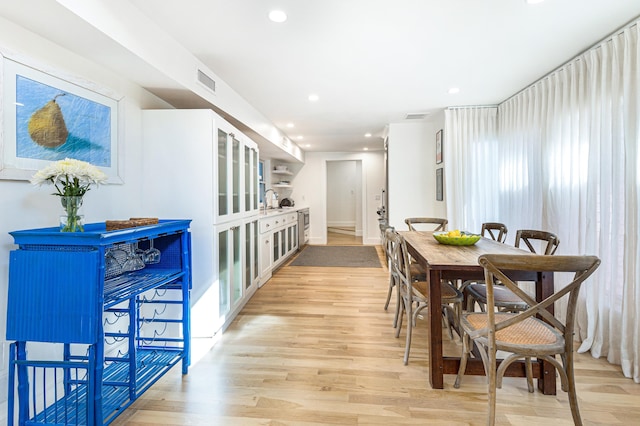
(251, 254)
(237, 176)
(236, 265)
(285, 237)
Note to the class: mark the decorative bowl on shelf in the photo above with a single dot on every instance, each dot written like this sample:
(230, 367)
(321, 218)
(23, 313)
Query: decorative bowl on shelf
(461, 239)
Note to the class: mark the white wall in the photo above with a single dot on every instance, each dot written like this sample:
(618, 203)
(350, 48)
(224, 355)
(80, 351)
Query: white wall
(310, 189)
(412, 171)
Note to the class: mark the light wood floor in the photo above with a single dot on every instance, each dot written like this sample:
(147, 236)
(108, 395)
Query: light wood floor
(342, 239)
(314, 346)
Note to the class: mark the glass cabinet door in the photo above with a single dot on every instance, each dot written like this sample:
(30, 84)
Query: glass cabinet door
(255, 179)
(236, 290)
(276, 246)
(223, 183)
(295, 236)
(251, 238)
(224, 275)
(230, 273)
(236, 174)
(248, 264)
(247, 179)
(283, 247)
(256, 249)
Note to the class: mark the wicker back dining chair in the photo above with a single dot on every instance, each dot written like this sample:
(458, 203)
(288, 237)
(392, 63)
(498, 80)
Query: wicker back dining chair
(495, 230)
(433, 223)
(388, 247)
(534, 332)
(413, 294)
(547, 243)
(417, 272)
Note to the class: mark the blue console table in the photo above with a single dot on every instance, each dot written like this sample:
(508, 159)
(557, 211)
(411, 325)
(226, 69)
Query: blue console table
(111, 316)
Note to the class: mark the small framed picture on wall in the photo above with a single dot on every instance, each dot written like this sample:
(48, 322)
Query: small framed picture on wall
(439, 185)
(439, 147)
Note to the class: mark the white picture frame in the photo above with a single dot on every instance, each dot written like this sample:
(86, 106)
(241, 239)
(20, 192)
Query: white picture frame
(91, 115)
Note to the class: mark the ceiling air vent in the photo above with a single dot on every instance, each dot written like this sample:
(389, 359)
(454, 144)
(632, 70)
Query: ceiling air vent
(416, 116)
(207, 81)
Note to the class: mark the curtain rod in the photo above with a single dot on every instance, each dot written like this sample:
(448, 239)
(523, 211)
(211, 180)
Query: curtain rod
(472, 106)
(594, 46)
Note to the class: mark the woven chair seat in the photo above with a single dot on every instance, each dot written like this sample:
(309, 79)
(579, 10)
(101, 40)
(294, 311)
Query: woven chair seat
(531, 333)
(448, 293)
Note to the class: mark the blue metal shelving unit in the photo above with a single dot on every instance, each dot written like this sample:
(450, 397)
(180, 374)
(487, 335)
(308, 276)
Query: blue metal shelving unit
(113, 331)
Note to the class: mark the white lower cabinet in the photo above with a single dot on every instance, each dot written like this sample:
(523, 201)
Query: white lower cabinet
(236, 265)
(278, 241)
(265, 257)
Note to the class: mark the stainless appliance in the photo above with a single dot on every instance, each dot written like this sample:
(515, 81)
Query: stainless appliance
(303, 228)
(382, 212)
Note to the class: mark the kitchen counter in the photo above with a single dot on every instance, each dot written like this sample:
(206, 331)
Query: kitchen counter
(281, 210)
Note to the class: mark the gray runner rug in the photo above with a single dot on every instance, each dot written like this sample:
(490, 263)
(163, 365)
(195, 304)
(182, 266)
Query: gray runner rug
(338, 256)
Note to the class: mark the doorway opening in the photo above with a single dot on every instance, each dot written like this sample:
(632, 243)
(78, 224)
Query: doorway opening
(344, 202)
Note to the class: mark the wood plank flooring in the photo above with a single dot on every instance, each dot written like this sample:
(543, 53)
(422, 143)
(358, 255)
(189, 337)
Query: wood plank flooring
(342, 239)
(314, 346)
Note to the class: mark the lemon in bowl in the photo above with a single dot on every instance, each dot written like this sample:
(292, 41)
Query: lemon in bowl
(456, 238)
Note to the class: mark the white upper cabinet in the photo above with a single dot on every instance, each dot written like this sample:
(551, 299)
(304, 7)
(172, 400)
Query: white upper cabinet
(237, 176)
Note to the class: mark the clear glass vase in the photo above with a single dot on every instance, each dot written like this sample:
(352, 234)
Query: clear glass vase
(71, 220)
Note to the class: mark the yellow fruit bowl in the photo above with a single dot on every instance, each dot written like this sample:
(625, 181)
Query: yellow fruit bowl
(463, 239)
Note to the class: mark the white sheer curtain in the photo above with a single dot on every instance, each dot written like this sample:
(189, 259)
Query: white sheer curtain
(569, 161)
(470, 140)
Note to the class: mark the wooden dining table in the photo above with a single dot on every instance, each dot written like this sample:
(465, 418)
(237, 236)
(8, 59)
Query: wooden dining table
(461, 263)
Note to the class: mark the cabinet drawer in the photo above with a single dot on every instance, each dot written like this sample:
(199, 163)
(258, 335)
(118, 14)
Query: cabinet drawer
(268, 224)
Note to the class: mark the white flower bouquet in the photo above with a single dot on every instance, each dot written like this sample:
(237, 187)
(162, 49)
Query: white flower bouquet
(70, 177)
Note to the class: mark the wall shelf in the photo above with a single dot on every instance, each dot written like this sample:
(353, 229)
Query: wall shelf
(282, 172)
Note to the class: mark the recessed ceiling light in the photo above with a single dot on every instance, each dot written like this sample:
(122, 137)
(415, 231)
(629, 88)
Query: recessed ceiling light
(313, 97)
(277, 16)
(366, 149)
(299, 137)
(308, 145)
(454, 90)
(290, 125)
(367, 135)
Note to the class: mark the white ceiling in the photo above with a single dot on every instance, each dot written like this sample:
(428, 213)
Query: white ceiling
(371, 62)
